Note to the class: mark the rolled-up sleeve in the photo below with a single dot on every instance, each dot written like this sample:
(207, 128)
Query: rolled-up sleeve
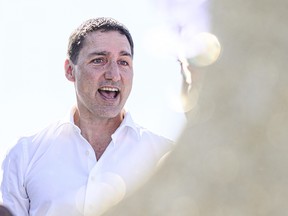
(13, 183)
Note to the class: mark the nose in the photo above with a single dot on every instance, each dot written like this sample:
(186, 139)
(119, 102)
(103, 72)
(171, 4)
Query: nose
(112, 72)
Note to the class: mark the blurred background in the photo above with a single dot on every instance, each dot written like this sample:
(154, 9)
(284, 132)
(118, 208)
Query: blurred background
(231, 156)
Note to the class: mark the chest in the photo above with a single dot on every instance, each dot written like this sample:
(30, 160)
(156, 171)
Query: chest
(69, 175)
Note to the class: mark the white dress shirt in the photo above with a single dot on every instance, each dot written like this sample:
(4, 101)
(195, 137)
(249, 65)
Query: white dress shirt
(55, 172)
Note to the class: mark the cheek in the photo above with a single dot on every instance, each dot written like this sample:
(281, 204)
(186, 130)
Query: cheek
(128, 83)
(128, 80)
(86, 82)
(128, 77)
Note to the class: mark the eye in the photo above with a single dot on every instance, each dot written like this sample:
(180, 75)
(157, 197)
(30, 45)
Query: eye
(98, 61)
(125, 63)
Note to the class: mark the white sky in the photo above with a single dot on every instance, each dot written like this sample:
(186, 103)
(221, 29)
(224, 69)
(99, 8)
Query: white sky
(33, 89)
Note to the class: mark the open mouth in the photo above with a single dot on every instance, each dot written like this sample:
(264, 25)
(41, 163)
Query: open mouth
(109, 92)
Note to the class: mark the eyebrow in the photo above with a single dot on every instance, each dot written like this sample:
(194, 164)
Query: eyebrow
(105, 53)
(124, 53)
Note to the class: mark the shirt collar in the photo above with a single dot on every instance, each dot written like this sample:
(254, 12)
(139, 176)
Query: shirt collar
(127, 122)
(68, 119)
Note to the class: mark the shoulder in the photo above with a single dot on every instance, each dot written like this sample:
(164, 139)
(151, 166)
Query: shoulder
(28, 144)
(145, 133)
(157, 143)
(154, 137)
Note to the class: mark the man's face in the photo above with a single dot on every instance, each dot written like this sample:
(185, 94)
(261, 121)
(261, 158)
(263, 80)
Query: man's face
(103, 74)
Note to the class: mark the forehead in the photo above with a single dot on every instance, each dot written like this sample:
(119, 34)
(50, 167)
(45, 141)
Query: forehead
(106, 41)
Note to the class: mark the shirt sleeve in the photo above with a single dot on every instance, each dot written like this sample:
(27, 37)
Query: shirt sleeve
(13, 183)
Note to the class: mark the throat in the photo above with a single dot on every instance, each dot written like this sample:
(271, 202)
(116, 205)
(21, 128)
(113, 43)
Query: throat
(100, 147)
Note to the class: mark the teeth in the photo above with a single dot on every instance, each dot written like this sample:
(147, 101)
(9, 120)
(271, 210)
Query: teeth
(109, 89)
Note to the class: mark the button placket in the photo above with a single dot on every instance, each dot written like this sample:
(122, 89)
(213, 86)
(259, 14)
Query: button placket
(104, 189)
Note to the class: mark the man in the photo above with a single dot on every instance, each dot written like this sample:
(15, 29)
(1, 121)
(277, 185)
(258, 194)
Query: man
(97, 156)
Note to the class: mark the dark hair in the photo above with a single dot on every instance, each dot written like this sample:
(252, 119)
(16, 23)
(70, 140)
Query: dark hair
(78, 36)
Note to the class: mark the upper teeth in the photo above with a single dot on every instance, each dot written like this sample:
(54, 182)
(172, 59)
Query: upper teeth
(109, 89)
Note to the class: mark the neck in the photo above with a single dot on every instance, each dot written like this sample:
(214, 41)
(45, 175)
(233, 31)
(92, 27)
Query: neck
(91, 126)
(98, 131)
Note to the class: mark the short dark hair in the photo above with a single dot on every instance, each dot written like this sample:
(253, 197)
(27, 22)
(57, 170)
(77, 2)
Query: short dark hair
(103, 24)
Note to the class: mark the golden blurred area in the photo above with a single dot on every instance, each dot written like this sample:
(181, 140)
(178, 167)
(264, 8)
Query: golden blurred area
(232, 157)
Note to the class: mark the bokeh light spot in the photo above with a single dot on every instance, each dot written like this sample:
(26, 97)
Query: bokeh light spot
(205, 49)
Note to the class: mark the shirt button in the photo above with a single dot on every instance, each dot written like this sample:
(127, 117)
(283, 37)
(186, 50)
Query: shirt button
(87, 153)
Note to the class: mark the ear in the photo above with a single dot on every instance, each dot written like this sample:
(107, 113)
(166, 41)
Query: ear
(69, 70)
